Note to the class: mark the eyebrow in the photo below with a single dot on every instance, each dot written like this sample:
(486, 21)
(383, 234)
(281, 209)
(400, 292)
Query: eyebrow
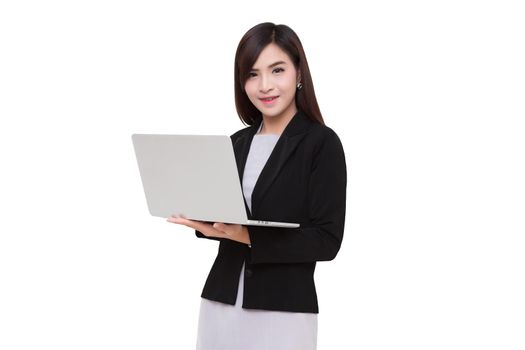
(272, 65)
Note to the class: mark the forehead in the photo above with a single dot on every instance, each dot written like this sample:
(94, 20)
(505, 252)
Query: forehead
(271, 54)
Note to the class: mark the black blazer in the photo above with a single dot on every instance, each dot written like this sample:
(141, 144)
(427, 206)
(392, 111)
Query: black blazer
(303, 181)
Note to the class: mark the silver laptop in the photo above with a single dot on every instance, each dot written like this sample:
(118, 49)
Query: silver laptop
(193, 176)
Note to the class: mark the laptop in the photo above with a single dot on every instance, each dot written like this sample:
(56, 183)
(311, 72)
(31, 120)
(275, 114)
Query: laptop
(193, 176)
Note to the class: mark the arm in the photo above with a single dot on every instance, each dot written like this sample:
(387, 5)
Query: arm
(321, 240)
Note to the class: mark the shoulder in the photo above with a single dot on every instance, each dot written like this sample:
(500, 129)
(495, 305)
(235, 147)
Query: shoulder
(323, 138)
(321, 131)
(240, 133)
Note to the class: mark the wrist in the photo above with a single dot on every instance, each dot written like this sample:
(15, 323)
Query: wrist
(246, 236)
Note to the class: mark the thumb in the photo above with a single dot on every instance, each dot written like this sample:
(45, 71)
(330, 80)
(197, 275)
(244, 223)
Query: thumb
(219, 226)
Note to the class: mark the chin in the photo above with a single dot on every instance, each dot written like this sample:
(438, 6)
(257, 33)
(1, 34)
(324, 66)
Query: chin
(272, 114)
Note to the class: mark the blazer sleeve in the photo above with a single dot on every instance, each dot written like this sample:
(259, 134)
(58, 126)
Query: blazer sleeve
(321, 239)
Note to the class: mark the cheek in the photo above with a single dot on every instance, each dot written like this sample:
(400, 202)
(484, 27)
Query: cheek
(288, 83)
(247, 86)
(250, 89)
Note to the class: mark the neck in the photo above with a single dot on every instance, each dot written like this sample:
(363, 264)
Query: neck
(277, 124)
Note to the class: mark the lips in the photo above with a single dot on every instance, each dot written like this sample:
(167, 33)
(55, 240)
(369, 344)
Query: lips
(269, 99)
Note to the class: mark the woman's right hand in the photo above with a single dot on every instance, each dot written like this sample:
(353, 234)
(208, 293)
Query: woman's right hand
(234, 232)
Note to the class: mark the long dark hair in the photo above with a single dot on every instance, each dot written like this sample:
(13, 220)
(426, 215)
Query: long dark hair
(250, 46)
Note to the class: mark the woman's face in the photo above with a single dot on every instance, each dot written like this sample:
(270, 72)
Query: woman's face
(272, 82)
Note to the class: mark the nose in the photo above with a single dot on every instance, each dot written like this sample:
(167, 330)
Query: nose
(265, 84)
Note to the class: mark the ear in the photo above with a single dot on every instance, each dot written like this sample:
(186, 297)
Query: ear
(298, 77)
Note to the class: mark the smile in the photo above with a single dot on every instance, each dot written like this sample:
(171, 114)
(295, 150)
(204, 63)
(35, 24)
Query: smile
(268, 99)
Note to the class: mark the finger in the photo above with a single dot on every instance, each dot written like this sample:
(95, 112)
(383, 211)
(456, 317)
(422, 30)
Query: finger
(189, 223)
(224, 228)
(209, 231)
(206, 229)
(177, 220)
(219, 226)
(228, 229)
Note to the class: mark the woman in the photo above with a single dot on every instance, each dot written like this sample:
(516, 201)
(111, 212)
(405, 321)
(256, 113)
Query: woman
(260, 292)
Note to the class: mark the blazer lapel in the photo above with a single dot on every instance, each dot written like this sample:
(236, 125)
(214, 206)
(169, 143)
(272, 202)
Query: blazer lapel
(287, 143)
(241, 148)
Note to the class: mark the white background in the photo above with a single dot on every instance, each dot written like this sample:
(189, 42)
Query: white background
(427, 97)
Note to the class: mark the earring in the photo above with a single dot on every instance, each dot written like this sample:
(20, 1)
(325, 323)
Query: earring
(299, 86)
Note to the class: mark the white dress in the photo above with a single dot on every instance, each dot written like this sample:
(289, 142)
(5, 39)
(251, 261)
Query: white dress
(231, 327)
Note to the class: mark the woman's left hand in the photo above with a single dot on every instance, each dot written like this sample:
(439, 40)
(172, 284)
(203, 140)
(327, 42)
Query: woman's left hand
(234, 232)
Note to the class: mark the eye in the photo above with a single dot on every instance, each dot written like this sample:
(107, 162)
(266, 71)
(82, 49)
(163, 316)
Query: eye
(252, 74)
(278, 70)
